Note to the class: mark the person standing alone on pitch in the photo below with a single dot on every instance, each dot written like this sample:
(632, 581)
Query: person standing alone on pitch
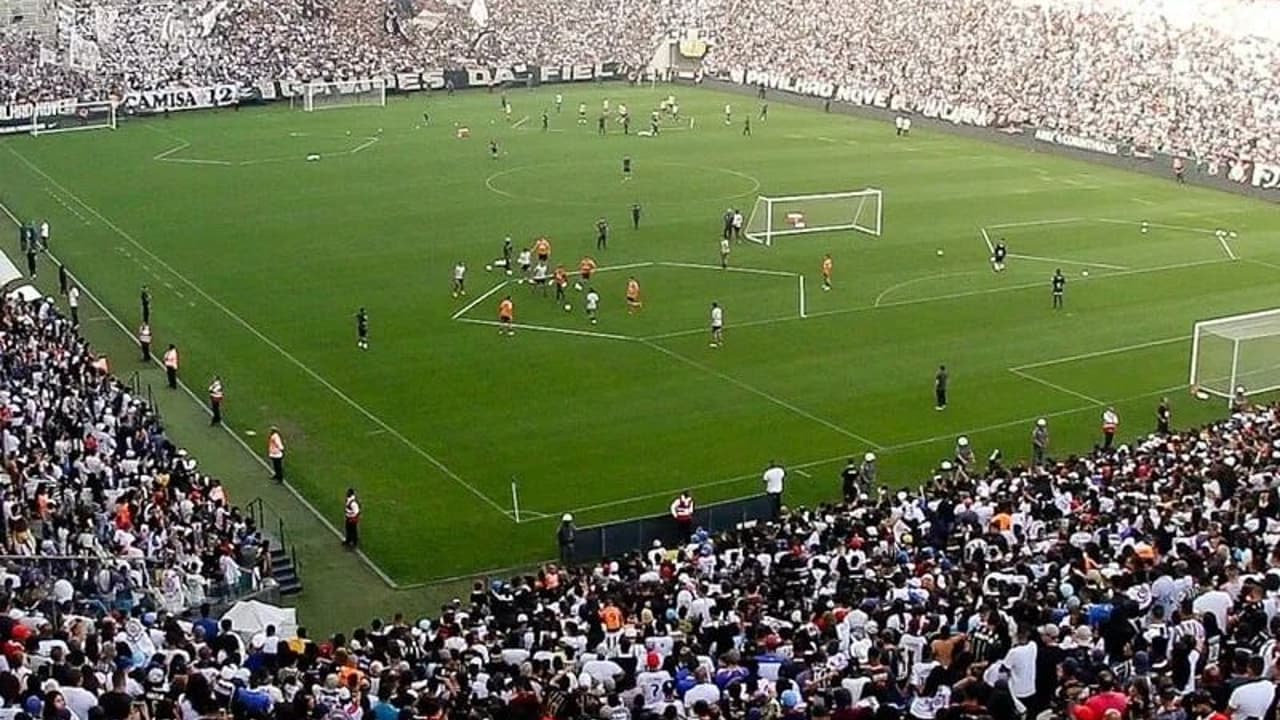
(275, 452)
(1039, 442)
(145, 297)
(682, 513)
(635, 216)
(1110, 421)
(940, 388)
(1164, 416)
(351, 515)
(1059, 289)
(773, 479)
(566, 538)
(215, 400)
(73, 302)
(171, 366)
(144, 342)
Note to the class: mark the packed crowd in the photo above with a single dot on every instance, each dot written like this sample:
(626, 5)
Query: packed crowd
(1137, 582)
(1151, 73)
(101, 512)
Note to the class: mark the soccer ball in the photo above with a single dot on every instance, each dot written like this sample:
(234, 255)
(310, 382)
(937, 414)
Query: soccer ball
(508, 271)
(939, 252)
(1084, 273)
(567, 307)
(1232, 233)
(488, 268)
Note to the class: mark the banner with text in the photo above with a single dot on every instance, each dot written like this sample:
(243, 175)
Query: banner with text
(1266, 177)
(171, 99)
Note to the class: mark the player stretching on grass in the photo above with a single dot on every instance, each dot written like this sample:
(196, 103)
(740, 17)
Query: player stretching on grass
(634, 303)
(717, 325)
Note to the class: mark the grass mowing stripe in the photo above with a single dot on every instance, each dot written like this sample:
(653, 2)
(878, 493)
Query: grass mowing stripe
(268, 341)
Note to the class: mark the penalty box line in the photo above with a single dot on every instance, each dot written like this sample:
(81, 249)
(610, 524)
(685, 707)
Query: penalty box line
(254, 331)
(991, 248)
(1022, 371)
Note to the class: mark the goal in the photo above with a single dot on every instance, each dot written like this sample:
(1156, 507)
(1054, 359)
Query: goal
(1241, 351)
(856, 210)
(341, 94)
(48, 119)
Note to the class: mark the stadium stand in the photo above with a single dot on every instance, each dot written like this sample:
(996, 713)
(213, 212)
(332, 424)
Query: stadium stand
(102, 512)
(1095, 68)
(1139, 582)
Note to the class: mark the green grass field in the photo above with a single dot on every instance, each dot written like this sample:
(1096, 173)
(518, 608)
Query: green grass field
(259, 259)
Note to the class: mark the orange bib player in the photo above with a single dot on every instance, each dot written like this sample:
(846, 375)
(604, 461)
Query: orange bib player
(586, 267)
(542, 248)
(506, 315)
(561, 279)
(826, 272)
(633, 296)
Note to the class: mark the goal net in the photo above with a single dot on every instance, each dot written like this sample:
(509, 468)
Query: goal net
(341, 94)
(1241, 351)
(48, 119)
(856, 210)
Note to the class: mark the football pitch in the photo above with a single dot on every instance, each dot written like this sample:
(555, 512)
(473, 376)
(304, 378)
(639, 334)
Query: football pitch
(259, 259)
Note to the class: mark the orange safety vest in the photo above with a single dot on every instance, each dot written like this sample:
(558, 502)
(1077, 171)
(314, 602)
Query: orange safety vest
(171, 359)
(275, 446)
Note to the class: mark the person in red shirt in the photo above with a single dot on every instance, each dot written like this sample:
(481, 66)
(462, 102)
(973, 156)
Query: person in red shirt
(1107, 697)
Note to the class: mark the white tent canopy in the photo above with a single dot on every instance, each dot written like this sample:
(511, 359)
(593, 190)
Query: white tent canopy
(250, 617)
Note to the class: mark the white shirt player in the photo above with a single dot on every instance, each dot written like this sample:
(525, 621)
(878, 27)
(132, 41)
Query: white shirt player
(717, 317)
(728, 110)
(604, 104)
(525, 258)
(622, 110)
(559, 99)
(724, 246)
(44, 231)
(540, 272)
(593, 300)
(737, 221)
(459, 271)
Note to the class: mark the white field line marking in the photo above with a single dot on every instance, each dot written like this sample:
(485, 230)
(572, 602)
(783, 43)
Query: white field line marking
(987, 239)
(914, 281)
(266, 340)
(1101, 353)
(369, 142)
(627, 266)
(1163, 226)
(1062, 261)
(1144, 201)
(194, 161)
(1263, 263)
(478, 300)
(227, 428)
(803, 473)
(717, 268)
(371, 433)
(166, 153)
(1055, 386)
(520, 122)
(938, 298)
(889, 449)
(1033, 223)
(549, 329)
(761, 393)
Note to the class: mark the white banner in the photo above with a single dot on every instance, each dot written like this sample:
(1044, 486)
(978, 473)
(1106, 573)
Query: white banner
(1075, 141)
(867, 95)
(172, 99)
(1266, 177)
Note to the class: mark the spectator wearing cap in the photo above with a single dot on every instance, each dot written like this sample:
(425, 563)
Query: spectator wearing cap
(651, 680)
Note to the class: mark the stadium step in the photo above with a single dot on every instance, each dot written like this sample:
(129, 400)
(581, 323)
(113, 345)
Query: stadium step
(284, 572)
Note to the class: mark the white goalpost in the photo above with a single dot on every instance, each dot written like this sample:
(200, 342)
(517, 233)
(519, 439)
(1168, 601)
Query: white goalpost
(1239, 351)
(857, 210)
(73, 117)
(329, 95)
